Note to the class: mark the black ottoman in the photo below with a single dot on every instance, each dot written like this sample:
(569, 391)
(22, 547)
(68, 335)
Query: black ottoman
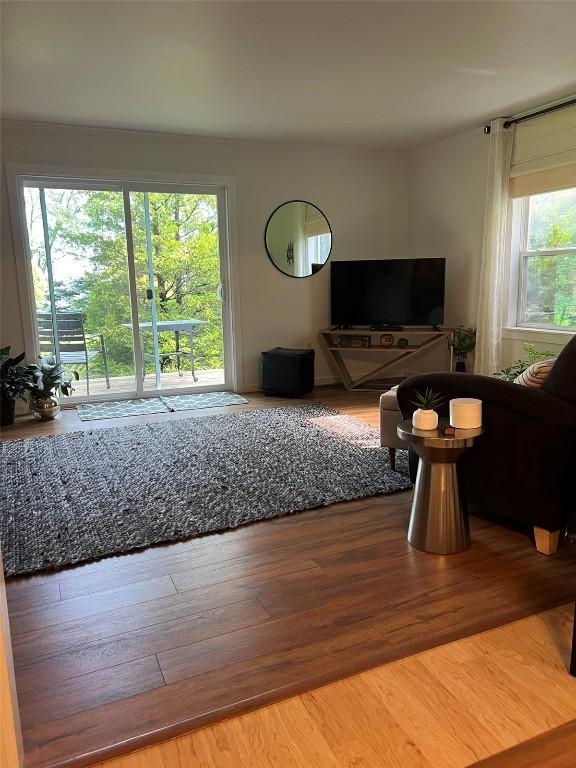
(287, 372)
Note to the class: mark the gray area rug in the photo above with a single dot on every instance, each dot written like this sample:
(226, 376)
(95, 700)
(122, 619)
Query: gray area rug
(118, 408)
(80, 496)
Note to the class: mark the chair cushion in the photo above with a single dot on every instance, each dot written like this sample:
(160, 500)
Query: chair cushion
(561, 382)
(389, 400)
(536, 374)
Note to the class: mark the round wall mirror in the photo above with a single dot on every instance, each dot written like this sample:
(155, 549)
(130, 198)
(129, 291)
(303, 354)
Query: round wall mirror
(298, 238)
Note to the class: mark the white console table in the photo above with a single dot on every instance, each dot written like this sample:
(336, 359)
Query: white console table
(414, 341)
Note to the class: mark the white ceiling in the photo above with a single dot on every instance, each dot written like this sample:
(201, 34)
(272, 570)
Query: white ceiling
(353, 73)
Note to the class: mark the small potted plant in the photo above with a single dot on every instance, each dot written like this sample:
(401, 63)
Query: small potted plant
(425, 416)
(462, 341)
(48, 379)
(15, 381)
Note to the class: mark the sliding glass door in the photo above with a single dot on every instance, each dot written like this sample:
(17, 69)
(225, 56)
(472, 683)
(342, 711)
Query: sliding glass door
(127, 285)
(177, 260)
(79, 268)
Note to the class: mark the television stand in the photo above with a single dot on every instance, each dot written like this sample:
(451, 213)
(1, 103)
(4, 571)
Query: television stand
(389, 349)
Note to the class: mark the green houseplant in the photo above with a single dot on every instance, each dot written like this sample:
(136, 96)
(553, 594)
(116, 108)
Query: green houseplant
(15, 381)
(519, 366)
(462, 342)
(48, 379)
(425, 415)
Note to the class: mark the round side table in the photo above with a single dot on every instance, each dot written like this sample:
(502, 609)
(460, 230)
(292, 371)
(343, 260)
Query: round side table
(438, 522)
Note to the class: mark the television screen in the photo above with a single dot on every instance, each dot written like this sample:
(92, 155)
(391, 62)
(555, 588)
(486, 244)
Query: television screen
(387, 292)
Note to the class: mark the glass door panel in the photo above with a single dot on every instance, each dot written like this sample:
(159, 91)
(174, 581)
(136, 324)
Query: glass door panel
(177, 267)
(79, 268)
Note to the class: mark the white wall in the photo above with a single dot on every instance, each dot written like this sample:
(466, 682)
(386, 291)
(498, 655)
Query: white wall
(363, 194)
(447, 183)
(446, 211)
(427, 202)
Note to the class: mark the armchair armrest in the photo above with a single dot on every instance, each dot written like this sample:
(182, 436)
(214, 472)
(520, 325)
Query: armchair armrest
(536, 405)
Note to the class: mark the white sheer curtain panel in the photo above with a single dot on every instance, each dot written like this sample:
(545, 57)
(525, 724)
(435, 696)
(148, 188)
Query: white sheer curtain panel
(491, 298)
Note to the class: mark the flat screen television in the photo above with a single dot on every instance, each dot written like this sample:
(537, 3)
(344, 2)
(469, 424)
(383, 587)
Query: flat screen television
(387, 292)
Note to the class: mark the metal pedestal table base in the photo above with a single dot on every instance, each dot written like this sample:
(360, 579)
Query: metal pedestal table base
(438, 523)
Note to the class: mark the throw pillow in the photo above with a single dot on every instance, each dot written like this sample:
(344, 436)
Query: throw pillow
(536, 374)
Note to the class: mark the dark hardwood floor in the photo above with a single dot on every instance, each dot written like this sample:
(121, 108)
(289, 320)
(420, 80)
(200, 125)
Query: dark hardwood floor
(132, 649)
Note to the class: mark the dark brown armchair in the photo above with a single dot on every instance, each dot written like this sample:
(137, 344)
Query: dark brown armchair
(523, 468)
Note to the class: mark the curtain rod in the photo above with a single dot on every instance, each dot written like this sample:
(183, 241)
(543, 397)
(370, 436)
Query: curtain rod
(537, 113)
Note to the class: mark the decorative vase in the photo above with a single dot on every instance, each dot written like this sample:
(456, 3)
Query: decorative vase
(7, 409)
(44, 408)
(461, 366)
(424, 419)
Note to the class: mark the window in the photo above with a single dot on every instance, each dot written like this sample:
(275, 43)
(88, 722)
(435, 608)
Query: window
(317, 250)
(544, 259)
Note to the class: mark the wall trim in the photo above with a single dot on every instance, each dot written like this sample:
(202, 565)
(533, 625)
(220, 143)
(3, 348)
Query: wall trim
(11, 750)
(537, 335)
(322, 381)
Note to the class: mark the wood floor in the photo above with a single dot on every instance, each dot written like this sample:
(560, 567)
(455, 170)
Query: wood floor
(488, 700)
(123, 652)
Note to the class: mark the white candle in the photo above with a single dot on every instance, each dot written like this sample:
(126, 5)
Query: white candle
(466, 413)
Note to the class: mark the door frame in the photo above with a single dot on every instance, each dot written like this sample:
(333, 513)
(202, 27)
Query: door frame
(11, 748)
(224, 187)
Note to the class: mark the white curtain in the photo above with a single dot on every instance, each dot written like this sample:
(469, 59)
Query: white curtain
(490, 308)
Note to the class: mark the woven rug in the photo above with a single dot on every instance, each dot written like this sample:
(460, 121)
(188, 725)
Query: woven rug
(80, 496)
(118, 408)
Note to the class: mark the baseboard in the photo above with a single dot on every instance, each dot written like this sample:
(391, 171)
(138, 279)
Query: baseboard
(322, 381)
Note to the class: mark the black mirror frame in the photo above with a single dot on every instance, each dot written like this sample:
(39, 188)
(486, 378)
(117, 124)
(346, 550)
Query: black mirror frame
(298, 277)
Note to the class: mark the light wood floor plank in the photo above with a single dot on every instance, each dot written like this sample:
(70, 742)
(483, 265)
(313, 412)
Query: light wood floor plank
(445, 707)
(430, 712)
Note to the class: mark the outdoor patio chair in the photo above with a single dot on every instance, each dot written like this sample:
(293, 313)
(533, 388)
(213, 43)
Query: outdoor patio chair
(72, 342)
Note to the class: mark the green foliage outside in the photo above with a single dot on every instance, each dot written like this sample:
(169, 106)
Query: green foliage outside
(88, 245)
(551, 278)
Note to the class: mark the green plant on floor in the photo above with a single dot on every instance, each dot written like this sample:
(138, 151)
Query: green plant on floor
(519, 366)
(50, 377)
(462, 341)
(15, 380)
(428, 401)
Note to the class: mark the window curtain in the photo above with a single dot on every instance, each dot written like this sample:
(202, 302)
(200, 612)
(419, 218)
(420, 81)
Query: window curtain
(490, 308)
